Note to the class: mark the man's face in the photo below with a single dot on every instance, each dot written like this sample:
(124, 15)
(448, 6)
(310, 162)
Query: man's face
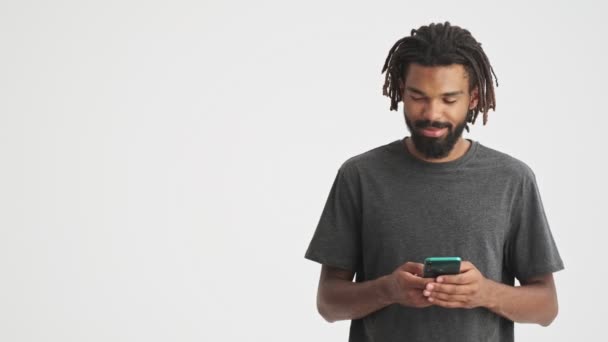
(436, 101)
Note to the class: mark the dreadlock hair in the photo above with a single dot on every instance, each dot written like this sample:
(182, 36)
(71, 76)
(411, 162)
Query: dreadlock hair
(438, 45)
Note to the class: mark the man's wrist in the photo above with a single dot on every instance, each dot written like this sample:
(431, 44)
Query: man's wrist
(385, 290)
(492, 294)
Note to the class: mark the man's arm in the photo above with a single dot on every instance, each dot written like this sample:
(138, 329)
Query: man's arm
(533, 302)
(338, 298)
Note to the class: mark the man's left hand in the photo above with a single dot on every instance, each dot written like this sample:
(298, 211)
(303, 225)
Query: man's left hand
(468, 289)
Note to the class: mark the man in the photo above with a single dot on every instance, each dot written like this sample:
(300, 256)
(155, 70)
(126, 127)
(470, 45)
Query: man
(435, 194)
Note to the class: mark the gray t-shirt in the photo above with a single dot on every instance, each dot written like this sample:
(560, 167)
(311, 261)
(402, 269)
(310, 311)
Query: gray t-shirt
(387, 207)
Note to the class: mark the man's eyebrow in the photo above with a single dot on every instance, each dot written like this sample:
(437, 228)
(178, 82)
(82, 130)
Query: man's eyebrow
(453, 93)
(420, 92)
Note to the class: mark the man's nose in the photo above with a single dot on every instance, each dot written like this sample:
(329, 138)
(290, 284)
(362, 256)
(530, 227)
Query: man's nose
(432, 111)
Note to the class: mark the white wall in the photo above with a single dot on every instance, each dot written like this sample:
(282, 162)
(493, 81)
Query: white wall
(164, 163)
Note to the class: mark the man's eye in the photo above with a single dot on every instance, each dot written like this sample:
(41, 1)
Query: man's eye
(417, 98)
(449, 101)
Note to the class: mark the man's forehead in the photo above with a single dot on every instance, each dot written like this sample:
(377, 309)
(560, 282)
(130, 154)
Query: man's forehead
(445, 93)
(442, 78)
(453, 70)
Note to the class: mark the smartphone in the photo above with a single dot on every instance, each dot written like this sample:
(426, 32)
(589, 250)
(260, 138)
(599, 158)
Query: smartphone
(436, 266)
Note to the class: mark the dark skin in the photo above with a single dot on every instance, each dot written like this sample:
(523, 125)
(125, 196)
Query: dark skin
(338, 298)
(440, 94)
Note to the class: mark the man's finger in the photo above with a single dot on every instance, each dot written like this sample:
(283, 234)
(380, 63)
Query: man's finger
(446, 304)
(459, 279)
(413, 268)
(449, 288)
(466, 266)
(446, 297)
(415, 281)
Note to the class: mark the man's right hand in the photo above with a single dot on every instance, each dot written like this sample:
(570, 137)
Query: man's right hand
(339, 298)
(406, 285)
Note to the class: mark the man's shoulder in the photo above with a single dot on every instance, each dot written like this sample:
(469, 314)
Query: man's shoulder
(503, 162)
(370, 158)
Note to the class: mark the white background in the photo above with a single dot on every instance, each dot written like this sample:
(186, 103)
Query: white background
(164, 163)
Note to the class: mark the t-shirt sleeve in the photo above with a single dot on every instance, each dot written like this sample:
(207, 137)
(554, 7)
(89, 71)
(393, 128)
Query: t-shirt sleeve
(531, 249)
(337, 241)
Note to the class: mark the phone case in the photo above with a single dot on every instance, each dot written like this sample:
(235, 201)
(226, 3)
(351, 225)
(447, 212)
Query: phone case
(436, 266)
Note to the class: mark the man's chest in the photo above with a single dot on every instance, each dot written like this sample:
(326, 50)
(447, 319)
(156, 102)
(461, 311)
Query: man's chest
(409, 220)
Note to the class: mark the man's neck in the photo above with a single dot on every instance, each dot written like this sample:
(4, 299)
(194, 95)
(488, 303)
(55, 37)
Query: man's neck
(460, 148)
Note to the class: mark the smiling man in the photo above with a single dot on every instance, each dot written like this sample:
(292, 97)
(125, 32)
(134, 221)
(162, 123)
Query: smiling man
(437, 99)
(435, 194)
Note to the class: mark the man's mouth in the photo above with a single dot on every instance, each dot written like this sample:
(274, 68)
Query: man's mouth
(432, 132)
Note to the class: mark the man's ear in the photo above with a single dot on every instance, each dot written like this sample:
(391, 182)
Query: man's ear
(474, 98)
(401, 87)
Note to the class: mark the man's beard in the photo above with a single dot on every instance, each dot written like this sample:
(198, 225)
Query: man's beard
(434, 148)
